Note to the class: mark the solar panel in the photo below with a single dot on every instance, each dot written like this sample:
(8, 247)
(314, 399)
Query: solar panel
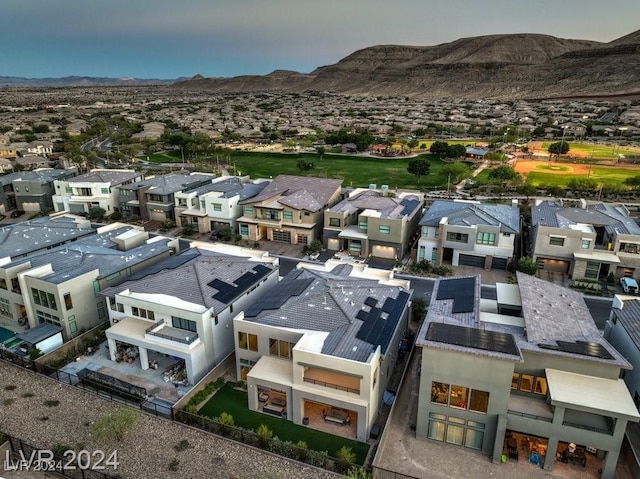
(362, 314)
(583, 348)
(461, 290)
(387, 307)
(372, 302)
(279, 294)
(378, 329)
(472, 338)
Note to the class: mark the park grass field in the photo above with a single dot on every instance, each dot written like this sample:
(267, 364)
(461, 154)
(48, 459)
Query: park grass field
(355, 171)
(543, 173)
(596, 150)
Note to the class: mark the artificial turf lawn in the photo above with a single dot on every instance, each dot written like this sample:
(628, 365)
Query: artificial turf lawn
(234, 402)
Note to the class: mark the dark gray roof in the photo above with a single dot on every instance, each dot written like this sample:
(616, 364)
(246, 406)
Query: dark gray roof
(359, 314)
(170, 183)
(233, 186)
(39, 333)
(389, 207)
(299, 192)
(614, 218)
(46, 175)
(192, 276)
(507, 217)
(112, 177)
(96, 252)
(28, 236)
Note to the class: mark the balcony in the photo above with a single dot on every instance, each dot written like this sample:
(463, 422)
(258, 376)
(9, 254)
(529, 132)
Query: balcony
(589, 421)
(529, 408)
(332, 380)
(164, 331)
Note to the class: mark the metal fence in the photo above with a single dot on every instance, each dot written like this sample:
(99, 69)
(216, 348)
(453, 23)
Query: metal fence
(20, 450)
(381, 473)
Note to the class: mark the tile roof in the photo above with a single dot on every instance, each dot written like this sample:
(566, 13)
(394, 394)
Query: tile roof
(112, 177)
(299, 192)
(188, 277)
(387, 206)
(339, 304)
(507, 217)
(170, 183)
(629, 318)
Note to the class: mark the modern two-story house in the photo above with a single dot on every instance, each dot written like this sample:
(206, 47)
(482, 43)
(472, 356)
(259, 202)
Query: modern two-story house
(321, 346)
(34, 190)
(528, 374)
(215, 206)
(373, 222)
(469, 233)
(184, 305)
(290, 209)
(590, 241)
(98, 188)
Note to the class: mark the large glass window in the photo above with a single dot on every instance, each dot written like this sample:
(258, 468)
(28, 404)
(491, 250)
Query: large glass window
(247, 341)
(384, 229)
(186, 324)
(5, 308)
(363, 225)
(486, 238)
(334, 222)
(473, 439)
(68, 304)
(42, 298)
(592, 270)
(279, 348)
(439, 393)
(455, 434)
(287, 215)
(515, 379)
(436, 430)
(585, 244)
(479, 401)
(459, 397)
(457, 237)
(217, 207)
(526, 383)
(248, 210)
(244, 230)
(541, 386)
(629, 248)
(272, 215)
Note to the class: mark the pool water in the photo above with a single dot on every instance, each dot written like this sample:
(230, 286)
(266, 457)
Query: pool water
(5, 334)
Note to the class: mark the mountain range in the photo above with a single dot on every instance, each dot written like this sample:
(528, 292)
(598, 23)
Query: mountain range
(513, 66)
(80, 81)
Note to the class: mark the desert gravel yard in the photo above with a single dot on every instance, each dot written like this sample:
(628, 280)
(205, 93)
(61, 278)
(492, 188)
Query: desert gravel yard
(44, 413)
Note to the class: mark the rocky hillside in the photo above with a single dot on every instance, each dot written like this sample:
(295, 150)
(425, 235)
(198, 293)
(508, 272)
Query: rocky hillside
(493, 66)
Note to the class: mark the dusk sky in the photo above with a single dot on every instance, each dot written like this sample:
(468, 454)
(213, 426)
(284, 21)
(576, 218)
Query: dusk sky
(222, 38)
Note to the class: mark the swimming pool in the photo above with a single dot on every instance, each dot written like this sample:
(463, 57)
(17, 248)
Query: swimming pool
(6, 334)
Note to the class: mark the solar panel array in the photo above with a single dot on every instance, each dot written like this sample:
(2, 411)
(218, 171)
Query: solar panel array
(583, 348)
(377, 329)
(461, 290)
(472, 338)
(279, 294)
(228, 292)
(409, 205)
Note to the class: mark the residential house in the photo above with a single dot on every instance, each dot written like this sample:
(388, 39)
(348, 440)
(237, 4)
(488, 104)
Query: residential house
(31, 162)
(323, 339)
(40, 148)
(372, 222)
(469, 233)
(98, 188)
(6, 165)
(215, 206)
(154, 198)
(590, 241)
(529, 373)
(289, 210)
(34, 190)
(9, 151)
(184, 305)
(62, 285)
(7, 193)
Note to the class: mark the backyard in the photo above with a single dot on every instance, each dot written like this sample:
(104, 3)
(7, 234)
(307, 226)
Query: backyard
(233, 401)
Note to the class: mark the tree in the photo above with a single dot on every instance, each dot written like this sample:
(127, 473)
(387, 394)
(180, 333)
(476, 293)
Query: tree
(189, 229)
(305, 165)
(418, 167)
(115, 425)
(457, 170)
(527, 265)
(418, 309)
(504, 173)
(559, 148)
(439, 148)
(96, 213)
(412, 144)
(345, 459)
(456, 151)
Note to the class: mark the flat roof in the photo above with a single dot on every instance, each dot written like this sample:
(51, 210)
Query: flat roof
(508, 294)
(598, 256)
(590, 393)
(39, 333)
(275, 370)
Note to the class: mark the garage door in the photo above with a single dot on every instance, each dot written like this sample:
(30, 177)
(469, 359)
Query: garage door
(157, 215)
(555, 265)
(469, 260)
(388, 252)
(499, 263)
(282, 236)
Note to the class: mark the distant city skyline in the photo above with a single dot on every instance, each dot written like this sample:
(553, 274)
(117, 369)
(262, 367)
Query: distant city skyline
(223, 38)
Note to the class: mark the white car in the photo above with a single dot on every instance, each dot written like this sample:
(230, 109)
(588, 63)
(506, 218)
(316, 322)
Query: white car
(629, 285)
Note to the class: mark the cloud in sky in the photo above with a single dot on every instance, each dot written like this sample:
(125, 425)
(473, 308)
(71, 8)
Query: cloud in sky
(168, 39)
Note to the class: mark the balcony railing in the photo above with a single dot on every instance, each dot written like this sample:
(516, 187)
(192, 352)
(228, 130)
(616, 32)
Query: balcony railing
(331, 385)
(529, 416)
(172, 334)
(588, 428)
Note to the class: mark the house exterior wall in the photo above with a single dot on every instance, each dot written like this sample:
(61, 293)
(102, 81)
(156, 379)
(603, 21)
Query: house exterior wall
(620, 339)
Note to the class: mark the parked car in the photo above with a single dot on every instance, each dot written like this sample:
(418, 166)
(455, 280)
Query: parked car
(17, 213)
(629, 285)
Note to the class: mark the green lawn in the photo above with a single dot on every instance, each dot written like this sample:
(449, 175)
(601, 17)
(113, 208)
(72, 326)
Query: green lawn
(597, 150)
(356, 171)
(174, 156)
(234, 402)
(607, 176)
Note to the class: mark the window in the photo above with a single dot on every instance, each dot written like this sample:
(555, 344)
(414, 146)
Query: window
(425, 231)
(186, 324)
(439, 393)
(384, 229)
(44, 317)
(104, 191)
(247, 341)
(458, 237)
(421, 253)
(556, 241)
(541, 386)
(526, 384)
(244, 230)
(459, 397)
(486, 238)
(629, 248)
(68, 189)
(113, 276)
(143, 313)
(355, 245)
(73, 326)
(15, 286)
(479, 401)
(156, 198)
(592, 270)
(474, 439)
(287, 215)
(3, 283)
(120, 307)
(96, 288)
(436, 430)
(455, 434)
(68, 304)
(434, 255)
(5, 308)
(363, 225)
(217, 207)
(514, 380)
(248, 210)
(272, 215)
(279, 348)
(585, 244)
(334, 222)
(42, 298)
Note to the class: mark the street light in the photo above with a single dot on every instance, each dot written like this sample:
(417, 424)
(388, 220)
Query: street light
(564, 129)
